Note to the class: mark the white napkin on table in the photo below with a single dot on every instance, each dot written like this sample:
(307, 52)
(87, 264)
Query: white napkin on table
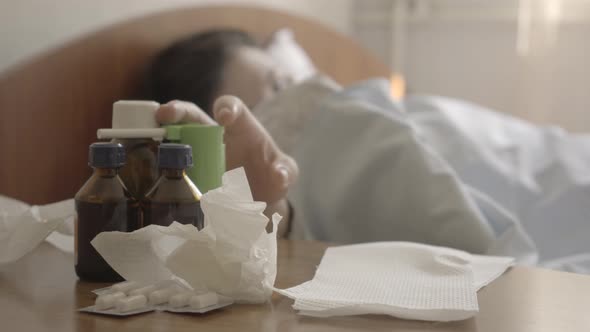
(232, 255)
(23, 227)
(401, 279)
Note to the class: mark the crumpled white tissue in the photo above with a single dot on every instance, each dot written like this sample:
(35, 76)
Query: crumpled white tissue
(401, 279)
(24, 227)
(232, 255)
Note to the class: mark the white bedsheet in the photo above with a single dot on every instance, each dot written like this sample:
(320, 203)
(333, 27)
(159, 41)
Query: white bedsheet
(433, 170)
(540, 175)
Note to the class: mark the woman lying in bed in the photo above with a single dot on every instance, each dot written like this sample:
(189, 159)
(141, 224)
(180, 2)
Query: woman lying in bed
(426, 169)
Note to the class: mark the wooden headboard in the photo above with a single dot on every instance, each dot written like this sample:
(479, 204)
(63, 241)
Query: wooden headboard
(52, 105)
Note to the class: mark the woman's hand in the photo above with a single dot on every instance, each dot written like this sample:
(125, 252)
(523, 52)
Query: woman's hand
(248, 145)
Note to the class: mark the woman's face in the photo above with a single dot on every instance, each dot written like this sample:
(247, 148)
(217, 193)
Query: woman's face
(252, 75)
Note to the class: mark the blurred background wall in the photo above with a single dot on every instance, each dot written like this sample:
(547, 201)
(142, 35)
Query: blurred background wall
(28, 27)
(523, 57)
(530, 58)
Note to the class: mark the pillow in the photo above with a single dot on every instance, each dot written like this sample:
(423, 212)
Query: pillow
(289, 55)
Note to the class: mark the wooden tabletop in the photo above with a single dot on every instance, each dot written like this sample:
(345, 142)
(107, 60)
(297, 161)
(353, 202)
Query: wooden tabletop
(41, 293)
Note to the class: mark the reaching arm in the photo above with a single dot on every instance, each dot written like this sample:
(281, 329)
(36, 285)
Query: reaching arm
(269, 170)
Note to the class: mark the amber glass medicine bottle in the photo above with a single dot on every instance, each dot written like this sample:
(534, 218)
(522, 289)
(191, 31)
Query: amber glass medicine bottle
(174, 197)
(102, 205)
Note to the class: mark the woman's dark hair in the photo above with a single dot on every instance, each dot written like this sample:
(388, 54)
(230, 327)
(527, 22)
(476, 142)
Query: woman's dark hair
(192, 69)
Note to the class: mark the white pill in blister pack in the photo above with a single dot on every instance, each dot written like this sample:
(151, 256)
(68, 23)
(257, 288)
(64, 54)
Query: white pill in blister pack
(204, 300)
(191, 303)
(131, 303)
(181, 299)
(145, 291)
(163, 295)
(125, 287)
(107, 301)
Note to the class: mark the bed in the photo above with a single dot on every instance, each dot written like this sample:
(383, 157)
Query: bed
(52, 105)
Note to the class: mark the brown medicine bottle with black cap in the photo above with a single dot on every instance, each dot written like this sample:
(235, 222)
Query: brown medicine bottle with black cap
(102, 204)
(174, 197)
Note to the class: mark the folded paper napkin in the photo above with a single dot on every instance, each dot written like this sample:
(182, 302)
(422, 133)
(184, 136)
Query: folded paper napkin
(401, 279)
(232, 255)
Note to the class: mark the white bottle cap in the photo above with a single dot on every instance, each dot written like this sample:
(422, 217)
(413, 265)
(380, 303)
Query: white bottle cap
(133, 119)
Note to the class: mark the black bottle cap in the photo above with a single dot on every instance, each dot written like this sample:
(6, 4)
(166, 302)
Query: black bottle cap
(176, 156)
(106, 155)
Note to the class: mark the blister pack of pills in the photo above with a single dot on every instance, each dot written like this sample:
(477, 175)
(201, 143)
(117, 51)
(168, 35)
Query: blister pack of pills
(190, 302)
(131, 298)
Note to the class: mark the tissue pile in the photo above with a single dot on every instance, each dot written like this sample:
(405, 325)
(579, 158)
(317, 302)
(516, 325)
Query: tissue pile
(232, 255)
(405, 280)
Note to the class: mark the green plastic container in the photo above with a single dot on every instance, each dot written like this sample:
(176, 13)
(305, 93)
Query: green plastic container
(208, 152)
